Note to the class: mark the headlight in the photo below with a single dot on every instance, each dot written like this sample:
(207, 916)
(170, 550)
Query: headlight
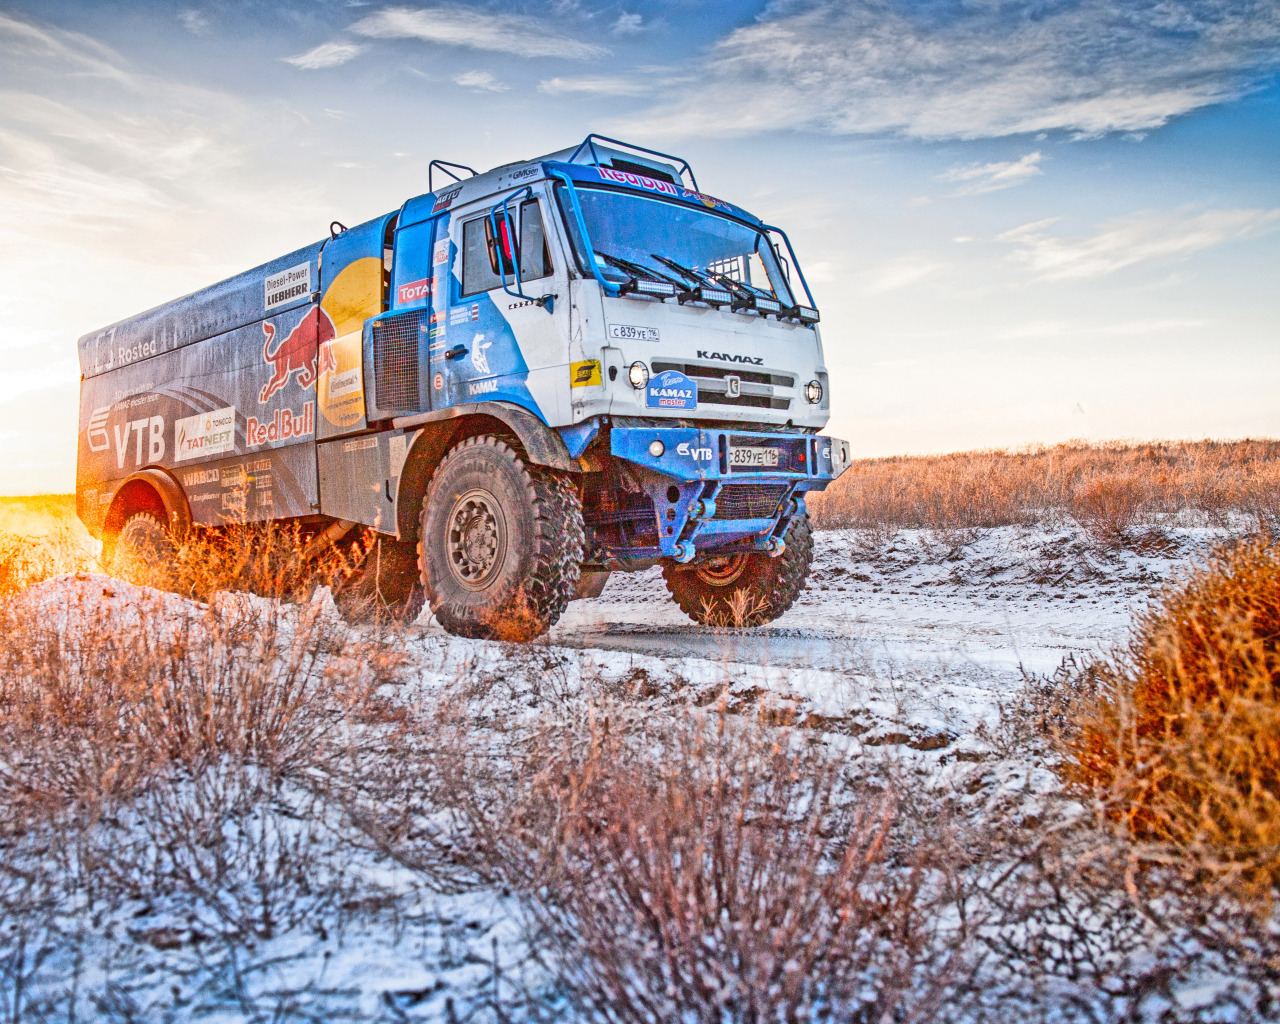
(813, 392)
(638, 375)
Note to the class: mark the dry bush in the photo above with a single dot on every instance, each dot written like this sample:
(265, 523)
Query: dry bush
(1181, 747)
(1106, 505)
(711, 869)
(1000, 488)
(276, 559)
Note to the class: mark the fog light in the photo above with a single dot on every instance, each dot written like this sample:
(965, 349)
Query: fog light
(813, 392)
(656, 448)
(638, 375)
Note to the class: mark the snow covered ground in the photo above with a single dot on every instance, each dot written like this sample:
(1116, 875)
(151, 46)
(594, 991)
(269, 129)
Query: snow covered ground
(906, 646)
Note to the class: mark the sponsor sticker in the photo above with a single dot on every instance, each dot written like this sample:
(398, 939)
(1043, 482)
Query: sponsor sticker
(206, 433)
(360, 444)
(437, 332)
(99, 439)
(200, 477)
(441, 253)
(464, 314)
(444, 200)
(343, 384)
(626, 332)
(532, 171)
(585, 374)
(283, 425)
(639, 181)
(437, 382)
(287, 285)
(483, 387)
(414, 291)
(671, 389)
(710, 202)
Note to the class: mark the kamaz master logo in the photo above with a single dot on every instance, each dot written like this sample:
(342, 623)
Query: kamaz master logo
(730, 357)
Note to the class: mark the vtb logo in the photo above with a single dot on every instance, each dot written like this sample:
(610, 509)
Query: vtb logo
(307, 351)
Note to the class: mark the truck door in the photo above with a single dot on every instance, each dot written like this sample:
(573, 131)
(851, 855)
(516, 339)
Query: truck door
(497, 342)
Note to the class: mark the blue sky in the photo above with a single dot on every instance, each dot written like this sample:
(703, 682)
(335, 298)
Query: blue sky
(1023, 221)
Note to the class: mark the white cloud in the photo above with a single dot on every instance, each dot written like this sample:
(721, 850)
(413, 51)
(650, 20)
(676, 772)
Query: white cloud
(326, 55)
(628, 25)
(481, 81)
(455, 26)
(976, 179)
(600, 86)
(77, 53)
(900, 273)
(985, 69)
(1141, 237)
(194, 22)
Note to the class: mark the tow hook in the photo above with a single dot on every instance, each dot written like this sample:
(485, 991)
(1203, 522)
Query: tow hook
(775, 546)
(703, 508)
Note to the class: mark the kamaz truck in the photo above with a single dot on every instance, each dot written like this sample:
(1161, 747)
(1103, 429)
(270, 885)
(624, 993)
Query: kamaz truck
(515, 385)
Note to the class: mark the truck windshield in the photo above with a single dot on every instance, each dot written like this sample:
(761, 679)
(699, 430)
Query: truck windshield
(637, 236)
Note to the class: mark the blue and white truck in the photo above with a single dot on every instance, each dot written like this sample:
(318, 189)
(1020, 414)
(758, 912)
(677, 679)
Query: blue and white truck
(515, 384)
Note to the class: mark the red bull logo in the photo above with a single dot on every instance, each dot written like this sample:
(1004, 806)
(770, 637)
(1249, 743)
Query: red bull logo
(307, 351)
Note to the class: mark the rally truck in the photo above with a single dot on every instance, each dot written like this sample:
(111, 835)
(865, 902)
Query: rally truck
(514, 385)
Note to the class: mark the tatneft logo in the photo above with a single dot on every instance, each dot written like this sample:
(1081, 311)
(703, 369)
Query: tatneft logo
(206, 433)
(730, 357)
(287, 285)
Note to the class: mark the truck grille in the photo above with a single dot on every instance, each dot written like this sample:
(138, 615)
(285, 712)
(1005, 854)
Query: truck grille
(395, 361)
(757, 385)
(749, 501)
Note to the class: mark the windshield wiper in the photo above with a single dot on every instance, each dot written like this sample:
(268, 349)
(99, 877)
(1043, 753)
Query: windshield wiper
(705, 289)
(643, 279)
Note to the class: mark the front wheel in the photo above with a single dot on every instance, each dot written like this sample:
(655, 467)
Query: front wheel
(746, 589)
(501, 542)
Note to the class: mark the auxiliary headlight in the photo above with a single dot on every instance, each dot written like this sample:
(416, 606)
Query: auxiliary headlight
(813, 392)
(656, 448)
(638, 375)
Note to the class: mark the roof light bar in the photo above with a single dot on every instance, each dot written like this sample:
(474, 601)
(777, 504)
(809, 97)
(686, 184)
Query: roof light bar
(768, 305)
(654, 287)
(805, 314)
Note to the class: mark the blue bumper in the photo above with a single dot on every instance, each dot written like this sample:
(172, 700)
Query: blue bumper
(717, 491)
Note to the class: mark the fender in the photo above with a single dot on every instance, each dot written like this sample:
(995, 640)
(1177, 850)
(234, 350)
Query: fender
(541, 444)
(177, 512)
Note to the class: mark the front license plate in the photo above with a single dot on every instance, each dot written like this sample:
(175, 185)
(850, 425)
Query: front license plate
(757, 458)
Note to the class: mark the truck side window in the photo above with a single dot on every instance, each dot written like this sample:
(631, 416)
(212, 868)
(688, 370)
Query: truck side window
(483, 256)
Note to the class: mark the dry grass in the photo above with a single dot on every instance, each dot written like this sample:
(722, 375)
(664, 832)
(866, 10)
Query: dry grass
(1181, 744)
(1106, 486)
(710, 868)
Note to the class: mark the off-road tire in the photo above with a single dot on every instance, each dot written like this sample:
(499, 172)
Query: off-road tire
(501, 541)
(385, 586)
(748, 590)
(143, 551)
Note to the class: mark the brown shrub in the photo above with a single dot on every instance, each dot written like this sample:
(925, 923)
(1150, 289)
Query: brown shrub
(1181, 746)
(716, 870)
(1000, 488)
(1107, 505)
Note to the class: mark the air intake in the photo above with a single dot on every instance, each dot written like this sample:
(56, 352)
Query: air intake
(395, 361)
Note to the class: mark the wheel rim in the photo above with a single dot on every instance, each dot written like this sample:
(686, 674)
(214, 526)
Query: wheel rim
(476, 542)
(721, 570)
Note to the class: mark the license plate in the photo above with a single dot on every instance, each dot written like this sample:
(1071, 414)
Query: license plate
(626, 332)
(757, 458)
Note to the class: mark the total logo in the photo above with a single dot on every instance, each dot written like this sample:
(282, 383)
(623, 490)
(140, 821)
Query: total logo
(698, 454)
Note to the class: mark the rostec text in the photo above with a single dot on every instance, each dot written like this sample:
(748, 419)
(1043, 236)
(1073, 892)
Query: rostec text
(152, 428)
(127, 354)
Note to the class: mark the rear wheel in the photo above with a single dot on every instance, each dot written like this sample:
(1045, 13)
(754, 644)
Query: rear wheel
(501, 542)
(143, 551)
(385, 585)
(746, 589)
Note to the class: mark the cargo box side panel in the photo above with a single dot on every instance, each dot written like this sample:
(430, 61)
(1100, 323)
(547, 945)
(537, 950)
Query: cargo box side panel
(353, 283)
(266, 291)
(240, 395)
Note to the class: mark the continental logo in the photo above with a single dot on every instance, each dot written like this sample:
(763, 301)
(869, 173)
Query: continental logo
(585, 374)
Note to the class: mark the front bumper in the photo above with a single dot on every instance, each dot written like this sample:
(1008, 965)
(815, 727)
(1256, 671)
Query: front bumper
(702, 503)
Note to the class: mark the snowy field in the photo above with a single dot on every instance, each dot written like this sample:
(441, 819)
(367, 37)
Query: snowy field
(905, 649)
